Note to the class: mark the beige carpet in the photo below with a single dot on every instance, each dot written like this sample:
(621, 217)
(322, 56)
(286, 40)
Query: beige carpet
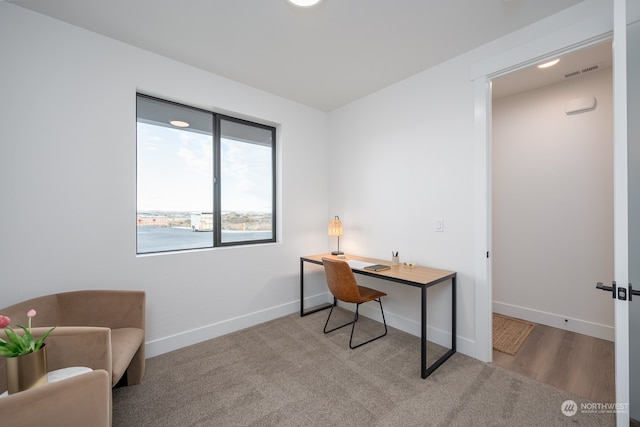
(286, 372)
(509, 334)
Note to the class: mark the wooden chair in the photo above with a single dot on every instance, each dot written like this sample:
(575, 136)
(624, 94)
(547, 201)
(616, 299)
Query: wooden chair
(342, 284)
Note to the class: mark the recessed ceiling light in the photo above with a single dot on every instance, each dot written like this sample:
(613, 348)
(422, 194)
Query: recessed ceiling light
(549, 64)
(304, 3)
(179, 123)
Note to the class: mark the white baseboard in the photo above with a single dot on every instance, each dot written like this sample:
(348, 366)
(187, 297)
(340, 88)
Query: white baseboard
(436, 335)
(204, 333)
(561, 322)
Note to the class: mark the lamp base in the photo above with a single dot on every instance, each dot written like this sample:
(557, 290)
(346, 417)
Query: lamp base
(337, 253)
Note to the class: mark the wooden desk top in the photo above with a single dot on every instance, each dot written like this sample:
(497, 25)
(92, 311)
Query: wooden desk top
(414, 276)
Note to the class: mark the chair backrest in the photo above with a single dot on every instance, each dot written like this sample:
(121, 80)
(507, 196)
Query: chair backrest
(342, 283)
(47, 312)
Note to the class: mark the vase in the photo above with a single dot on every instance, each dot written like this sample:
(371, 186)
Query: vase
(27, 371)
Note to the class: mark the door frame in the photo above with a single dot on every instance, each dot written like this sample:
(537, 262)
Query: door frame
(484, 227)
(582, 35)
(593, 32)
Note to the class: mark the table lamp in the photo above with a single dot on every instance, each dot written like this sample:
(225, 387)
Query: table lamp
(335, 229)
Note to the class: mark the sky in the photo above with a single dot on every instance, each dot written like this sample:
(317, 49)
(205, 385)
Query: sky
(175, 172)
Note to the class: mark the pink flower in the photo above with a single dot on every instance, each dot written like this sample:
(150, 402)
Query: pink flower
(20, 344)
(4, 321)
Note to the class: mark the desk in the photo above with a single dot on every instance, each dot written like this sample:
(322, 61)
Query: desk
(420, 277)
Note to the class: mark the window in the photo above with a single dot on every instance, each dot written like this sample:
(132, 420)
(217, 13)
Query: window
(203, 179)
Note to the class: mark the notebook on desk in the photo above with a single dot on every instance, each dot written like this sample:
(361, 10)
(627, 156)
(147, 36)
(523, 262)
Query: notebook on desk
(364, 265)
(377, 267)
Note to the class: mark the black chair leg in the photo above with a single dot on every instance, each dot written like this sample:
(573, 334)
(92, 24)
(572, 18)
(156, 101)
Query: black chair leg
(354, 327)
(342, 326)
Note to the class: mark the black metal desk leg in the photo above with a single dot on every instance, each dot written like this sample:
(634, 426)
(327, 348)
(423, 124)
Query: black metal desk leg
(423, 334)
(430, 369)
(301, 288)
(304, 312)
(453, 313)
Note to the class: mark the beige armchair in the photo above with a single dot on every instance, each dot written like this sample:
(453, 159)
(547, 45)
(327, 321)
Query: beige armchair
(102, 330)
(96, 329)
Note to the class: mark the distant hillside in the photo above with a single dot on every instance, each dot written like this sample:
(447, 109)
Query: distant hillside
(237, 221)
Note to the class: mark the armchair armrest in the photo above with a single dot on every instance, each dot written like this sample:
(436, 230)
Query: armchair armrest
(72, 346)
(77, 401)
(78, 346)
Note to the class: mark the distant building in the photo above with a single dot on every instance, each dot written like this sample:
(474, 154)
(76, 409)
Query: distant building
(152, 221)
(202, 221)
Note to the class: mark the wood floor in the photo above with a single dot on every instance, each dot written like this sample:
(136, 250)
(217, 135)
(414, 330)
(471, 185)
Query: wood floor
(572, 362)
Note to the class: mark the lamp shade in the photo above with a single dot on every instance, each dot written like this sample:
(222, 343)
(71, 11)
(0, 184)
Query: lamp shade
(335, 227)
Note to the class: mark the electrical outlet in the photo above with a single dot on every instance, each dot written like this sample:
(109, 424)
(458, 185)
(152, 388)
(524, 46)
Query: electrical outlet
(439, 225)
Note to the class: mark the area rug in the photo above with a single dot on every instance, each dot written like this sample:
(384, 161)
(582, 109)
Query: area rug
(509, 334)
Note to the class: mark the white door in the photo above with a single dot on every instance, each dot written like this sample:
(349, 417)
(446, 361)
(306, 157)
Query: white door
(621, 225)
(626, 67)
(627, 126)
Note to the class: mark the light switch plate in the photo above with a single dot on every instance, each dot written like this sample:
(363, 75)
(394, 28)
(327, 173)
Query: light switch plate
(438, 225)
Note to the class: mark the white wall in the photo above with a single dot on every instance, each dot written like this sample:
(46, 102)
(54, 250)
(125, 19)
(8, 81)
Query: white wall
(399, 159)
(405, 156)
(553, 206)
(68, 179)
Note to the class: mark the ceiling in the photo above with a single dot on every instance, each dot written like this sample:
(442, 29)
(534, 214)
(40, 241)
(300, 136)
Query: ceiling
(323, 56)
(572, 65)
